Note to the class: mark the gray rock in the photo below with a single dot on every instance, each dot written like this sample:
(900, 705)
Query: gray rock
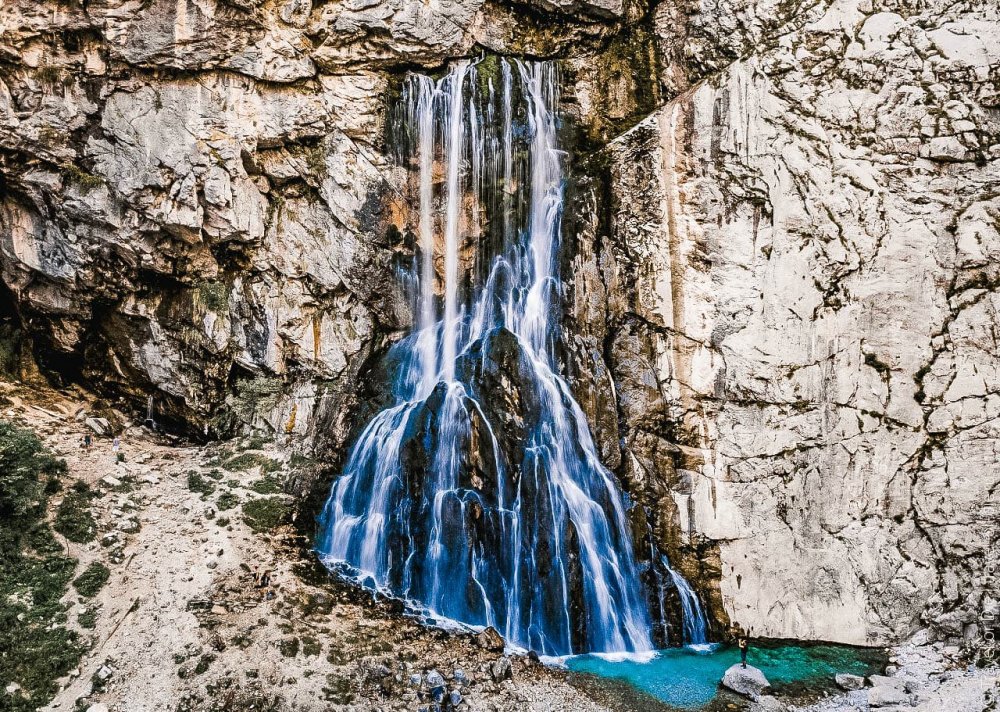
(500, 669)
(101, 426)
(748, 681)
(847, 681)
(767, 703)
(434, 679)
(887, 692)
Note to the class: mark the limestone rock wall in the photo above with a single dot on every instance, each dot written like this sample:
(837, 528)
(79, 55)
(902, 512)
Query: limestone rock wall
(805, 250)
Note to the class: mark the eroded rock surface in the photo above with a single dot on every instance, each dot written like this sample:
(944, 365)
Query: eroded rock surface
(802, 295)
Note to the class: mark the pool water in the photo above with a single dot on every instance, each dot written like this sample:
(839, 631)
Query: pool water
(688, 678)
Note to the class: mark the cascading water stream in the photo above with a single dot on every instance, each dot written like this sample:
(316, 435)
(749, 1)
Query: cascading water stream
(478, 494)
(693, 621)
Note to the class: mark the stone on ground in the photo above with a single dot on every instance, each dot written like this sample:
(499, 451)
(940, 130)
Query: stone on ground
(847, 681)
(101, 426)
(490, 639)
(887, 692)
(748, 681)
(767, 703)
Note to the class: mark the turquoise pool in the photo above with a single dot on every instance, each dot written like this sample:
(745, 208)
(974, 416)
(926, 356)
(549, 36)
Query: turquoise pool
(688, 678)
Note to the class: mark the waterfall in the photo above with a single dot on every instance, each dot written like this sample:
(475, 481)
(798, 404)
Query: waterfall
(477, 494)
(693, 622)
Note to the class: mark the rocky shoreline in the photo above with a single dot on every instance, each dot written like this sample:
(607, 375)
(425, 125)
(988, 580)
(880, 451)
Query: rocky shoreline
(921, 677)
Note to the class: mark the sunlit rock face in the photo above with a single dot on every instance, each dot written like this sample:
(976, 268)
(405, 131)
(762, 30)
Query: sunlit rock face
(801, 267)
(779, 257)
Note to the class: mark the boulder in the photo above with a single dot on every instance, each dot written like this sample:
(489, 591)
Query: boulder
(748, 681)
(887, 692)
(847, 681)
(111, 481)
(101, 426)
(500, 670)
(491, 640)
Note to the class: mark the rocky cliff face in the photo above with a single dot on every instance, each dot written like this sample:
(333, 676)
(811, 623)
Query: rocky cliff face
(781, 258)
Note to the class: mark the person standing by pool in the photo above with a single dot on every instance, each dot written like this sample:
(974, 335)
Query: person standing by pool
(744, 646)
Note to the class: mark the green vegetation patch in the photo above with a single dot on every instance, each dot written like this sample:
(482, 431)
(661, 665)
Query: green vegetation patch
(289, 647)
(226, 501)
(214, 296)
(269, 484)
(311, 647)
(87, 181)
(36, 648)
(73, 518)
(265, 513)
(197, 483)
(92, 580)
(88, 619)
(250, 460)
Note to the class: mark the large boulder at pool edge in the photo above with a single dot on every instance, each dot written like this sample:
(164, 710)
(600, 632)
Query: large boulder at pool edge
(747, 681)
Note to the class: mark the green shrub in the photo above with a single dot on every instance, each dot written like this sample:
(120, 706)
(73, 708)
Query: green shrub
(74, 520)
(226, 501)
(36, 648)
(204, 662)
(289, 647)
(87, 181)
(265, 513)
(267, 485)
(25, 469)
(92, 580)
(256, 442)
(214, 296)
(197, 483)
(88, 619)
(311, 647)
(250, 460)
